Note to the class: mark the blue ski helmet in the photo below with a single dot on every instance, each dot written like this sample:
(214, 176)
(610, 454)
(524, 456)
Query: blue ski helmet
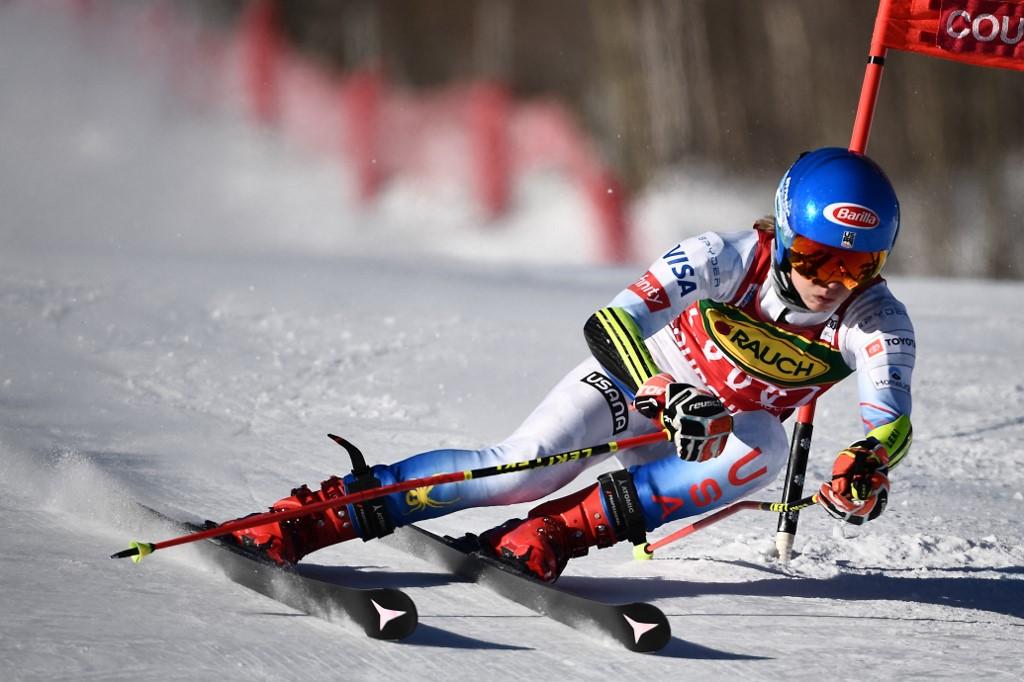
(838, 198)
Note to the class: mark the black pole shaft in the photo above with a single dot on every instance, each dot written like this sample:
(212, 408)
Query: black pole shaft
(799, 449)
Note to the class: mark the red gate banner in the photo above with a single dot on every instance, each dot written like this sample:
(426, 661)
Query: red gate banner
(981, 32)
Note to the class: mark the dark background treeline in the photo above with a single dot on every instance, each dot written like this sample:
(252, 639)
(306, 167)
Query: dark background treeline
(741, 84)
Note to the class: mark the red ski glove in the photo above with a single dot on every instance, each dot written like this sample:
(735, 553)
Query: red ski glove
(650, 397)
(859, 489)
(698, 422)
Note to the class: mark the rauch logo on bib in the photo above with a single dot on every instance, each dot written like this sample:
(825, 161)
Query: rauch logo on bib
(764, 354)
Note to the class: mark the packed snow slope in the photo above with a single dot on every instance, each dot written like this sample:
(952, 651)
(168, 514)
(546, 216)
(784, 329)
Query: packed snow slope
(187, 309)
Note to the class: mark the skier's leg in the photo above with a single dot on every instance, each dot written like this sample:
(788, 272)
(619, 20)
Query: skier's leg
(584, 408)
(670, 489)
(626, 503)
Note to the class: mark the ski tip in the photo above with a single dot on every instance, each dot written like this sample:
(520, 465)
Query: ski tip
(396, 613)
(642, 553)
(646, 628)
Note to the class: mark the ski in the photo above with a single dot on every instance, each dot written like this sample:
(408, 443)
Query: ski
(382, 613)
(638, 626)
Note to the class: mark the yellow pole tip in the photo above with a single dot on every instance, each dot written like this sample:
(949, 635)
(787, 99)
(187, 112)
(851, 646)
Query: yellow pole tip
(641, 553)
(143, 549)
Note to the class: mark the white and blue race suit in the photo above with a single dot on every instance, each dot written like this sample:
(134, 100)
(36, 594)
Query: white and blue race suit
(705, 312)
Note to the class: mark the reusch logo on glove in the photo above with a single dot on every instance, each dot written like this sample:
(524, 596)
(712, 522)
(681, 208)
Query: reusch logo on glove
(705, 407)
(851, 215)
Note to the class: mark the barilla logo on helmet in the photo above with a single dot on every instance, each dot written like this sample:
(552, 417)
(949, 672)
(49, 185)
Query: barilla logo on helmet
(851, 215)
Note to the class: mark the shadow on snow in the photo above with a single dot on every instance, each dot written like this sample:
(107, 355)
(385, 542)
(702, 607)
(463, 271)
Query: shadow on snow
(428, 635)
(1005, 597)
(1001, 596)
(425, 635)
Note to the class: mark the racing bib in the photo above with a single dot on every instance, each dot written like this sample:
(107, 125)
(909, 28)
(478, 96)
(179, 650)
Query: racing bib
(768, 352)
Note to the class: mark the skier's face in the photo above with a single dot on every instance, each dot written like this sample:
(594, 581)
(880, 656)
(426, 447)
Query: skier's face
(821, 297)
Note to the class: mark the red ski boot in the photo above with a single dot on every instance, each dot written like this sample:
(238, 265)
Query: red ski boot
(287, 542)
(561, 529)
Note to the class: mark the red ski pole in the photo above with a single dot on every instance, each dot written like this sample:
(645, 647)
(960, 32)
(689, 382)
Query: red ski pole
(647, 551)
(137, 550)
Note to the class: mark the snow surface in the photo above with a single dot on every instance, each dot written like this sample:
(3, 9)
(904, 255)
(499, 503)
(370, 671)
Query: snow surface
(188, 307)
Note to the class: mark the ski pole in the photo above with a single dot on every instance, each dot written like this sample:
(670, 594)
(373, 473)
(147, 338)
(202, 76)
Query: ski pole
(137, 550)
(796, 470)
(647, 551)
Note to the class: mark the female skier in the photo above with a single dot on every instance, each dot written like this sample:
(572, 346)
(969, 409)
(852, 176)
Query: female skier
(717, 343)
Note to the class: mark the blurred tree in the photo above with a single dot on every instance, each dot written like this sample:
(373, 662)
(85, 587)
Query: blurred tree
(492, 39)
(744, 85)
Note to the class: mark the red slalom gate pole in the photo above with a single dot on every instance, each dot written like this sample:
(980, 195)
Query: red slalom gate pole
(488, 115)
(262, 52)
(137, 550)
(872, 81)
(800, 446)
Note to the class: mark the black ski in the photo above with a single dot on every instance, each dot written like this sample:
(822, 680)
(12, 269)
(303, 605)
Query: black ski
(382, 613)
(637, 626)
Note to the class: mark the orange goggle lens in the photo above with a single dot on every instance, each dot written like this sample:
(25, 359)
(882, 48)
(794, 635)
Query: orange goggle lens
(823, 264)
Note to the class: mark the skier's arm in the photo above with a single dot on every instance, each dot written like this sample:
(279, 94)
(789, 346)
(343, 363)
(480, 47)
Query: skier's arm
(879, 342)
(618, 344)
(706, 266)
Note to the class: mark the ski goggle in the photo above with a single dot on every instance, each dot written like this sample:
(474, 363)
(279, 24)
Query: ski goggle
(823, 264)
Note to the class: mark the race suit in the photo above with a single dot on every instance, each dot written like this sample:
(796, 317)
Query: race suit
(707, 313)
